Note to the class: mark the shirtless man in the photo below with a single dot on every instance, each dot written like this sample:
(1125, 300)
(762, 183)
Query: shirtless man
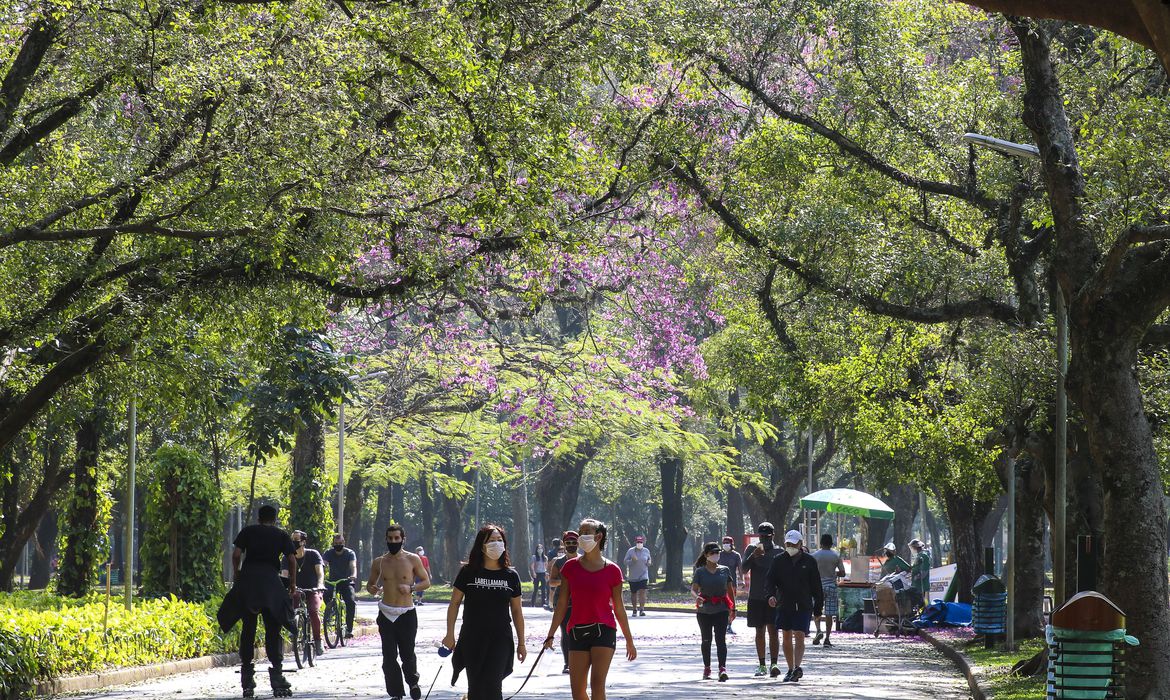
(395, 574)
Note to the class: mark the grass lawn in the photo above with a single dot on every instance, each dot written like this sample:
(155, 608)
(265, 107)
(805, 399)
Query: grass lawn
(992, 666)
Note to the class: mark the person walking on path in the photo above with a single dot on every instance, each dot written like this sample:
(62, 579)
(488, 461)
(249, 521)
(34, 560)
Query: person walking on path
(422, 554)
(757, 561)
(395, 574)
(489, 589)
(538, 568)
(569, 542)
(257, 591)
(732, 560)
(891, 562)
(342, 563)
(794, 589)
(311, 574)
(637, 561)
(714, 587)
(830, 568)
(920, 569)
(595, 585)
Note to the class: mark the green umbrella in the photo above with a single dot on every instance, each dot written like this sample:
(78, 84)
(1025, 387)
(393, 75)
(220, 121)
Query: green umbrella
(848, 502)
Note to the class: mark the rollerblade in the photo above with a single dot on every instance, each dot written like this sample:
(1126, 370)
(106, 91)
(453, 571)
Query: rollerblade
(281, 688)
(248, 679)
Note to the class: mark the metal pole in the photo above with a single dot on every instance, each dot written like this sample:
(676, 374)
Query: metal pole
(128, 554)
(808, 514)
(341, 467)
(1059, 527)
(1010, 569)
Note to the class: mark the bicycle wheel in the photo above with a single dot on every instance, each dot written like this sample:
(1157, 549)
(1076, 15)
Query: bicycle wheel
(296, 642)
(307, 644)
(330, 623)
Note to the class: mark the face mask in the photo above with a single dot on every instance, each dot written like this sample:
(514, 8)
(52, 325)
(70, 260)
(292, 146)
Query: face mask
(587, 543)
(638, 545)
(571, 548)
(726, 548)
(494, 550)
(791, 550)
(766, 539)
(338, 547)
(394, 547)
(713, 558)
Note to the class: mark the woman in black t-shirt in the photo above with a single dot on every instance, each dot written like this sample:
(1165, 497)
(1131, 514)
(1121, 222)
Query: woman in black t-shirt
(489, 589)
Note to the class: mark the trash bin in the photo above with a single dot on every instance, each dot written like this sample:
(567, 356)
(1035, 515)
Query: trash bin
(989, 612)
(1087, 642)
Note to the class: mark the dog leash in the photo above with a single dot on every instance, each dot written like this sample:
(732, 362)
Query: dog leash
(440, 671)
(530, 672)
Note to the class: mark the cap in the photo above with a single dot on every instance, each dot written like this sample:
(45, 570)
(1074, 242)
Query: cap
(639, 538)
(890, 545)
(917, 543)
(793, 536)
(729, 538)
(765, 527)
(570, 534)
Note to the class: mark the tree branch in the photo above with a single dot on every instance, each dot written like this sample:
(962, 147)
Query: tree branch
(30, 136)
(24, 68)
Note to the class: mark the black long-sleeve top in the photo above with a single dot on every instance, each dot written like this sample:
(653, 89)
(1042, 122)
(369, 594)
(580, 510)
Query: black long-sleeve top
(796, 583)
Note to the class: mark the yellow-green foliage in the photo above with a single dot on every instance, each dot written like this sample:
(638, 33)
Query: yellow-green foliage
(42, 636)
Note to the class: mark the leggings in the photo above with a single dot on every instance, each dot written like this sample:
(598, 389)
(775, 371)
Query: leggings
(540, 585)
(716, 622)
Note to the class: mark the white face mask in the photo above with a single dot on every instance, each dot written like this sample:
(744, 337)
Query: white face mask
(637, 545)
(586, 542)
(713, 558)
(791, 550)
(726, 548)
(494, 550)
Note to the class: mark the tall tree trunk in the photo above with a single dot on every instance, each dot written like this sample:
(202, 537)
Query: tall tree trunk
(452, 508)
(966, 515)
(426, 509)
(903, 498)
(20, 524)
(1028, 557)
(522, 547)
(309, 508)
(46, 548)
(76, 575)
(674, 532)
(935, 535)
(558, 484)
(355, 498)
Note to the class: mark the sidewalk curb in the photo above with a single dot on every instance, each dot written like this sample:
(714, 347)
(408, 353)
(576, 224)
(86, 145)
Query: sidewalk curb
(961, 661)
(138, 674)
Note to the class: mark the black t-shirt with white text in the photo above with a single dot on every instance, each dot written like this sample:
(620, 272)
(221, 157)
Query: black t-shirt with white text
(487, 596)
(264, 545)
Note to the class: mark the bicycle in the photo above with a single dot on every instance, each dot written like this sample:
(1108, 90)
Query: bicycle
(302, 642)
(333, 617)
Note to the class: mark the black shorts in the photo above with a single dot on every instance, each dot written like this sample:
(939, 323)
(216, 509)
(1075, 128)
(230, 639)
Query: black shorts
(793, 620)
(585, 637)
(642, 585)
(759, 613)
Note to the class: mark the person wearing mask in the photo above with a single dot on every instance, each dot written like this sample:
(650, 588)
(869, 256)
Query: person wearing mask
(830, 567)
(257, 591)
(569, 542)
(732, 560)
(595, 585)
(342, 563)
(714, 587)
(920, 569)
(397, 574)
(422, 555)
(757, 561)
(637, 561)
(311, 578)
(538, 569)
(891, 562)
(489, 590)
(794, 590)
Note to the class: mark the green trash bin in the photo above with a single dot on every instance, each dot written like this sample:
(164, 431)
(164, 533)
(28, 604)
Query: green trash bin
(1086, 664)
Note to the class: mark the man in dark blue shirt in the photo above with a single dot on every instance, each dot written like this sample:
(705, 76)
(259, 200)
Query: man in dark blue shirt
(342, 563)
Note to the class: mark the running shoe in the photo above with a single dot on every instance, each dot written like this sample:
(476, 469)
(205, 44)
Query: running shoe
(730, 631)
(565, 669)
(788, 677)
(762, 671)
(797, 673)
(642, 614)
(827, 643)
(706, 673)
(775, 670)
(722, 674)
(817, 639)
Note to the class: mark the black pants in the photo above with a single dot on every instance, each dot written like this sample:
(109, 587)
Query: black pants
(398, 642)
(565, 635)
(273, 642)
(540, 585)
(346, 592)
(717, 623)
(485, 680)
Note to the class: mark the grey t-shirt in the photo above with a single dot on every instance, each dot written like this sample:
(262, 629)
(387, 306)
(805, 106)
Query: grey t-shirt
(638, 561)
(713, 585)
(828, 563)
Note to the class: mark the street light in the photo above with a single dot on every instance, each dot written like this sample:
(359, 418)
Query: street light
(1019, 150)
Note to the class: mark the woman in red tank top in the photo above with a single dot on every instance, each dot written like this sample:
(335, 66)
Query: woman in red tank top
(594, 584)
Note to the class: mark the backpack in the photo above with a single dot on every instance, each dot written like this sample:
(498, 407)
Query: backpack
(853, 623)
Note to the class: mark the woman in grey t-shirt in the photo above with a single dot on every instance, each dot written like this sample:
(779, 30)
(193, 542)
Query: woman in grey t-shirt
(714, 589)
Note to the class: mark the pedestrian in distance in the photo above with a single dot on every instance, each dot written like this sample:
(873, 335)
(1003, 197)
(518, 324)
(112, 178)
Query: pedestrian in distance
(489, 589)
(891, 562)
(830, 569)
(422, 554)
(714, 587)
(342, 563)
(257, 591)
(794, 590)
(920, 569)
(757, 561)
(397, 574)
(311, 574)
(538, 568)
(637, 561)
(595, 586)
(732, 560)
(569, 543)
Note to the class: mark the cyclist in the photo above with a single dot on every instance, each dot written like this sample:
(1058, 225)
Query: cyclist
(311, 574)
(342, 563)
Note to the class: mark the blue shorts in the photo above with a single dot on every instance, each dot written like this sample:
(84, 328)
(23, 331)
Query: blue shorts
(793, 620)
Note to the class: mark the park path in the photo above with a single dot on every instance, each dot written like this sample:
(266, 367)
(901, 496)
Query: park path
(668, 667)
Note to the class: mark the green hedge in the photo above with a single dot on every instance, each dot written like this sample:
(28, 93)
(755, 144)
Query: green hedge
(43, 636)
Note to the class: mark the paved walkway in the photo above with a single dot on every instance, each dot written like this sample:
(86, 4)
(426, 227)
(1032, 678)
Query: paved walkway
(668, 667)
